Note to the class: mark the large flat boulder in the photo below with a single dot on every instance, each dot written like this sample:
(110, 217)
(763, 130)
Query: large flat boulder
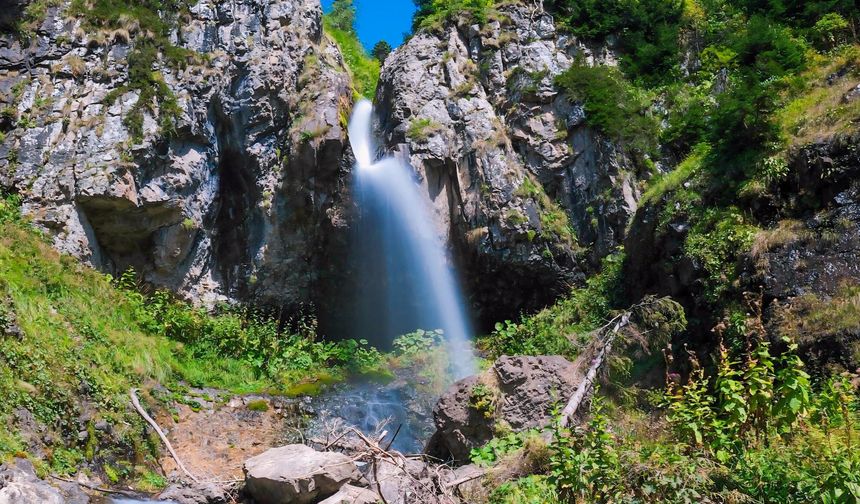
(297, 474)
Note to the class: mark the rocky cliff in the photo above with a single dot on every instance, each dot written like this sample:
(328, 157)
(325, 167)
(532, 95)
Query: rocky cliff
(229, 181)
(230, 186)
(526, 193)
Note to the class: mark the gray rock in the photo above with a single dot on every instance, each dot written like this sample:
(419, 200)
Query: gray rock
(349, 494)
(226, 207)
(523, 392)
(505, 149)
(297, 474)
(19, 485)
(194, 493)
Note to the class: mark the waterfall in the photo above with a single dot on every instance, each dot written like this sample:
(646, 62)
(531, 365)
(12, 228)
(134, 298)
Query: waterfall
(406, 282)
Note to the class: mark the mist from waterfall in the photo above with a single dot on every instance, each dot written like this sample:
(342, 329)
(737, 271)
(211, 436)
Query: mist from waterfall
(406, 282)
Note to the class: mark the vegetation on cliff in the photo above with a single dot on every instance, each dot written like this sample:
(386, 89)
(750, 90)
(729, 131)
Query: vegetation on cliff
(73, 342)
(339, 23)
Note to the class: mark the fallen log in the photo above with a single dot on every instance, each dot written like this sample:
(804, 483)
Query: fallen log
(604, 350)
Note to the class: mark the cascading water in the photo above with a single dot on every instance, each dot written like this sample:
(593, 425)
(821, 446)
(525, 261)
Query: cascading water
(407, 283)
(404, 284)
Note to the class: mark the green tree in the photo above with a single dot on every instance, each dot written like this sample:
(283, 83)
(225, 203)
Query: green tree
(381, 50)
(342, 16)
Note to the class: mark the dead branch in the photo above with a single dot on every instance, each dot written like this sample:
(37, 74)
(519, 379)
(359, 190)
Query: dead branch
(136, 403)
(604, 348)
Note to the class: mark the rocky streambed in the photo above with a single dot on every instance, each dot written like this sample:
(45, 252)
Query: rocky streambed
(359, 442)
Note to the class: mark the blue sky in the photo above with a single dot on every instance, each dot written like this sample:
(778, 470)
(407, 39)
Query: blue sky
(381, 20)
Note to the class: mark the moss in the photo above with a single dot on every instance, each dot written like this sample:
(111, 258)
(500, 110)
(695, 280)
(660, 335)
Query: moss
(421, 128)
(258, 405)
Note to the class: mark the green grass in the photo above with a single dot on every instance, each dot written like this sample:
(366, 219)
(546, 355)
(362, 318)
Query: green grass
(364, 69)
(86, 341)
(671, 181)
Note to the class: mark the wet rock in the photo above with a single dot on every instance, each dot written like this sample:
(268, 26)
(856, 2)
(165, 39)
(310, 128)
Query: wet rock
(349, 494)
(517, 392)
(20, 485)
(297, 474)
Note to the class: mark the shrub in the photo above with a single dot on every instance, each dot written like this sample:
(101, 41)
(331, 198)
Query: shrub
(433, 14)
(611, 104)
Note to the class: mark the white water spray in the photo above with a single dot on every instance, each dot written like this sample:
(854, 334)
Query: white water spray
(412, 286)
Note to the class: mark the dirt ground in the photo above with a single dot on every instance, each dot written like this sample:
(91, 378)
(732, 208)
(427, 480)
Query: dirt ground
(215, 441)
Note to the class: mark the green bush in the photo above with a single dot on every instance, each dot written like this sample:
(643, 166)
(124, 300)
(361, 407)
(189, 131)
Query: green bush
(555, 330)
(433, 14)
(612, 105)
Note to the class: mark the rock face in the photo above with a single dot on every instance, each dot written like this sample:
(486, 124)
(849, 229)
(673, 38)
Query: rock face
(244, 195)
(19, 485)
(297, 474)
(240, 201)
(517, 182)
(805, 262)
(517, 392)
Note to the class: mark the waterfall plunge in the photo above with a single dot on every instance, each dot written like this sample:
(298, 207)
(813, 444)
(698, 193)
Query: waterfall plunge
(407, 283)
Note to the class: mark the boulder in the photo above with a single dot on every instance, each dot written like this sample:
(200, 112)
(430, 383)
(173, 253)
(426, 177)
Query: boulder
(517, 393)
(349, 494)
(194, 493)
(20, 485)
(297, 474)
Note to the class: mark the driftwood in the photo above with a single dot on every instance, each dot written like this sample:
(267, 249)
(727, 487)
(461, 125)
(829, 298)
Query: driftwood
(136, 403)
(604, 349)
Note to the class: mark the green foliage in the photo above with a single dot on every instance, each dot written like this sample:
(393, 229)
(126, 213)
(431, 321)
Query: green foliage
(496, 448)
(433, 14)
(554, 330)
(669, 182)
(532, 489)
(10, 208)
(611, 104)
(585, 463)
(420, 129)
(482, 399)
(716, 240)
(418, 342)
(342, 16)
(247, 336)
(364, 69)
(65, 461)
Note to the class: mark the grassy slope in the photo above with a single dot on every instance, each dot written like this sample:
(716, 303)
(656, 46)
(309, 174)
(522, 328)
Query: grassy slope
(82, 348)
(364, 69)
